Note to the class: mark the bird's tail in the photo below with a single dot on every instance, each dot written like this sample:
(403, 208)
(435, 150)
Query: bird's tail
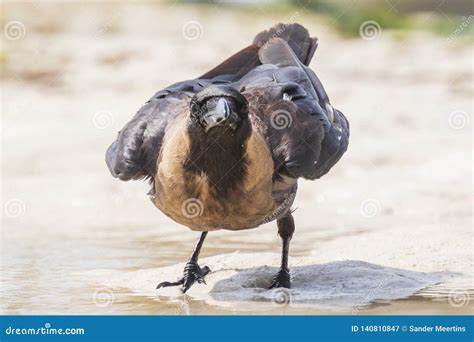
(242, 62)
(296, 36)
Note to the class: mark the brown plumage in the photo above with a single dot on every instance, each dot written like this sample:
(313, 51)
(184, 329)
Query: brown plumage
(225, 150)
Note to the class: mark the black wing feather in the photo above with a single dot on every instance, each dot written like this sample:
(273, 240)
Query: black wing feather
(133, 155)
(275, 64)
(317, 136)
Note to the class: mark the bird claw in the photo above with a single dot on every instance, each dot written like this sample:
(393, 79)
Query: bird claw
(281, 279)
(192, 273)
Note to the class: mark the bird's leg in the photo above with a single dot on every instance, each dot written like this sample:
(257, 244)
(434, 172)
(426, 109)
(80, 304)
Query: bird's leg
(286, 227)
(192, 271)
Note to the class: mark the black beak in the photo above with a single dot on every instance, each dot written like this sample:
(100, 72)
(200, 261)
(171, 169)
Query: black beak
(218, 115)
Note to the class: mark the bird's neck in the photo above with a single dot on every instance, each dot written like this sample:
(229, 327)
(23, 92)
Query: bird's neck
(220, 158)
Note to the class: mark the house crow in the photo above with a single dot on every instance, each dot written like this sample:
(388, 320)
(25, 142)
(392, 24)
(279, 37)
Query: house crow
(226, 150)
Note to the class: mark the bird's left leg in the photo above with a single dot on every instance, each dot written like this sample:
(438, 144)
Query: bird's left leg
(286, 227)
(192, 271)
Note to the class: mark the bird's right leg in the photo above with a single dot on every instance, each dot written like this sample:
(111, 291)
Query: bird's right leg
(286, 228)
(192, 271)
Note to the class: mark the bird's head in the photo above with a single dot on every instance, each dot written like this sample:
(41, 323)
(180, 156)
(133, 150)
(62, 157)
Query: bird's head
(219, 109)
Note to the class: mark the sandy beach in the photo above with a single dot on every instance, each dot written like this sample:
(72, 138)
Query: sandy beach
(388, 230)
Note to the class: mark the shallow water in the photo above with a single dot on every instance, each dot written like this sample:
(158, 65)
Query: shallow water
(51, 278)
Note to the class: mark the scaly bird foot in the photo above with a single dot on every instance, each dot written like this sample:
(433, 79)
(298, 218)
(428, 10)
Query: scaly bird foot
(281, 279)
(192, 273)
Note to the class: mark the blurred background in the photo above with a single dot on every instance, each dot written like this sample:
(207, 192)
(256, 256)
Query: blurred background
(73, 73)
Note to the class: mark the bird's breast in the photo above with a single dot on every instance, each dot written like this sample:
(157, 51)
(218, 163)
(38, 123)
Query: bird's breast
(196, 201)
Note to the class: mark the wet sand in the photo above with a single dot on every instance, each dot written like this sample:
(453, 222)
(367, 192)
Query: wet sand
(401, 197)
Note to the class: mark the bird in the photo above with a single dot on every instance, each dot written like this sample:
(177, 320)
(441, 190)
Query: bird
(225, 151)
